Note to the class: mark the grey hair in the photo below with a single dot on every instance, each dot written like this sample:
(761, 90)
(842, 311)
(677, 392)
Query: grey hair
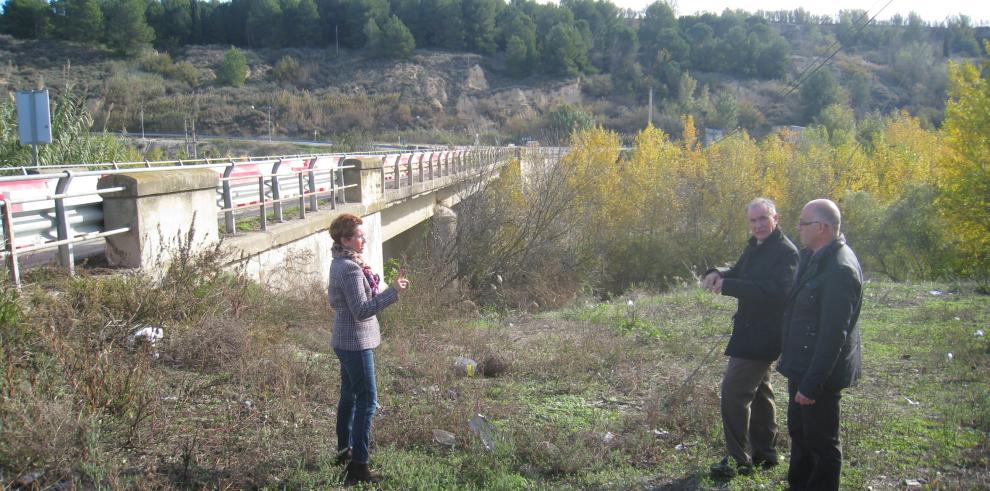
(765, 202)
(827, 211)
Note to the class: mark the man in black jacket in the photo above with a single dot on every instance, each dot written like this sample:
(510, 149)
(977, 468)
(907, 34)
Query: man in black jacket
(821, 352)
(760, 280)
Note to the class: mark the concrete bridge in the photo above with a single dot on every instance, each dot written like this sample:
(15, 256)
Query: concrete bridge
(269, 215)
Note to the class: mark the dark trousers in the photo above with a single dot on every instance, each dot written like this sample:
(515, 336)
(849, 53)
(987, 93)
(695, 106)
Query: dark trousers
(358, 401)
(748, 411)
(816, 456)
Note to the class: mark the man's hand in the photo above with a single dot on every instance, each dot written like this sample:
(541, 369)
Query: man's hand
(803, 399)
(710, 280)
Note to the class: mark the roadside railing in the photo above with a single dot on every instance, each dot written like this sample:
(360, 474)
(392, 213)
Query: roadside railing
(58, 211)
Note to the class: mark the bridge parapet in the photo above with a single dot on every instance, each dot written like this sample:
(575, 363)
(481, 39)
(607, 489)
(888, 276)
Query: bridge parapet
(149, 209)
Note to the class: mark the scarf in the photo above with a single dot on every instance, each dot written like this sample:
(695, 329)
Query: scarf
(338, 251)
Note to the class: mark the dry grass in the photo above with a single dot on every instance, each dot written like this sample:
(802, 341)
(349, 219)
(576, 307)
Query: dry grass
(599, 395)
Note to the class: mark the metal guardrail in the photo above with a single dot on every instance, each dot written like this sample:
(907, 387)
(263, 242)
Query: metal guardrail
(36, 217)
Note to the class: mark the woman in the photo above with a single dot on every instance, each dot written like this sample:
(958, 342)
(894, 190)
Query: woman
(355, 298)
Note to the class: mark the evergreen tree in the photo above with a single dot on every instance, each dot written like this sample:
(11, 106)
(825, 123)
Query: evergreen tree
(355, 17)
(233, 71)
(479, 25)
(565, 52)
(517, 57)
(372, 36)
(83, 21)
(396, 40)
(127, 30)
(26, 19)
(302, 27)
(447, 24)
(818, 91)
(513, 22)
(263, 27)
(172, 22)
(658, 17)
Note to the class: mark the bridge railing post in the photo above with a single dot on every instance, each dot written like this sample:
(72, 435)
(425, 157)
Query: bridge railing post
(314, 201)
(276, 192)
(11, 249)
(228, 199)
(65, 256)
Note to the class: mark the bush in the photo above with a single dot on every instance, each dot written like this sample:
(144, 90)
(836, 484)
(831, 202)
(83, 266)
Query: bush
(233, 71)
(286, 70)
(161, 63)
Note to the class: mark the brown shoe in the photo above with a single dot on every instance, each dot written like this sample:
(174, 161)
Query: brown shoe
(361, 473)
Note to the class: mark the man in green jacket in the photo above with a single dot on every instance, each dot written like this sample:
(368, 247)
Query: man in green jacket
(821, 350)
(760, 279)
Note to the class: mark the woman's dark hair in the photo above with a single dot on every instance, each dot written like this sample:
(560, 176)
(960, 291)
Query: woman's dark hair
(344, 226)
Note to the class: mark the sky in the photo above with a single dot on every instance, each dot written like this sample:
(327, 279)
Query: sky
(977, 10)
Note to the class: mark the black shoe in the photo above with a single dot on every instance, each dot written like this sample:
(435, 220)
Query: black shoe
(765, 462)
(343, 457)
(729, 468)
(356, 473)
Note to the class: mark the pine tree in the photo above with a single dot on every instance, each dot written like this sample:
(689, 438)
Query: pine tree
(127, 29)
(26, 19)
(396, 40)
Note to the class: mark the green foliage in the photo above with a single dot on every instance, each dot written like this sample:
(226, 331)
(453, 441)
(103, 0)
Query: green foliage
(566, 119)
(10, 309)
(162, 64)
(396, 40)
(286, 70)
(72, 142)
(965, 179)
(262, 28)
(391, 270)
(30, 19)
(817, 92)
(302, 24)
(172, 21)
(233, 71)
(517, 57)
(83, 21)
(127, 29)
(565, 51)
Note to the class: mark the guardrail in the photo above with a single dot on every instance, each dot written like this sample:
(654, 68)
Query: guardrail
(57, 211)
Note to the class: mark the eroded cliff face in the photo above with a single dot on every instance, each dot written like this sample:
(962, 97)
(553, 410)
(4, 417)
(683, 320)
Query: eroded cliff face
(461, 88)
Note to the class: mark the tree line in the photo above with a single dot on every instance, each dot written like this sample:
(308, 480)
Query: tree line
(639, 49)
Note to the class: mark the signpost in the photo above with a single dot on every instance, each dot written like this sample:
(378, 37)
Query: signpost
(34, 122)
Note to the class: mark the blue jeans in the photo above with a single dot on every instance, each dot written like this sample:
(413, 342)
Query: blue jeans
(358, 401)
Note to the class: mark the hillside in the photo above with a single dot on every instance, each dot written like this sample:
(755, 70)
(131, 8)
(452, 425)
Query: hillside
(317, 94)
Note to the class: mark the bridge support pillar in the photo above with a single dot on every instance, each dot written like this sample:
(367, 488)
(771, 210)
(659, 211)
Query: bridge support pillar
(163, 211)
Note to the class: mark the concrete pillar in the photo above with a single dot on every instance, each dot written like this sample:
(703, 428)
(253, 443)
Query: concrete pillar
(160, 208)
(369, 176)
(373, 254)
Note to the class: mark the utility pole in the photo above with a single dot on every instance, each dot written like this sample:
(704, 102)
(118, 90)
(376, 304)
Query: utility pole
(336, 42)
(650, 110)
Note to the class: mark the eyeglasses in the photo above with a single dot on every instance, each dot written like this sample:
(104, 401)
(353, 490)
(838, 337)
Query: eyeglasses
(805, 224)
